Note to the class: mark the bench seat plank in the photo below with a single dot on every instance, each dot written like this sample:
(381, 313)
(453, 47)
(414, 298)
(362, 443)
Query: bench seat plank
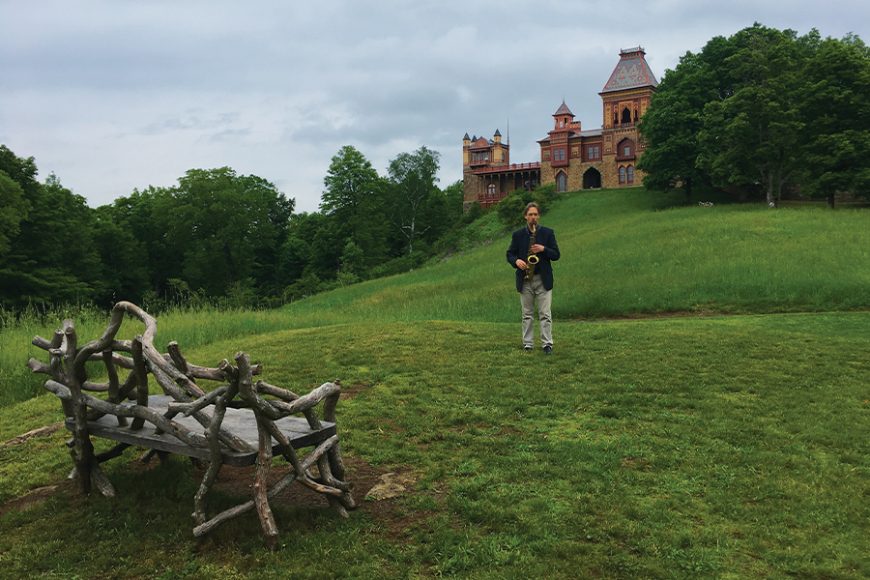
(240, 422)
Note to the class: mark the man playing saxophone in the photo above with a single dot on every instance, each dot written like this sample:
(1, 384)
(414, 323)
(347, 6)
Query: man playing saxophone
(531, 252)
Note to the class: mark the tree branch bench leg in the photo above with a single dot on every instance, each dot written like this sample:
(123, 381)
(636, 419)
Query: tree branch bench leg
(261, 483)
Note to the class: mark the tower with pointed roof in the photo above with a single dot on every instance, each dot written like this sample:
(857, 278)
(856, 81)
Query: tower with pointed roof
(624, 99)
(561, 151)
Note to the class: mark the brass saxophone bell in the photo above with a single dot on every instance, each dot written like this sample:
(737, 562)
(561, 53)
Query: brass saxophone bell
(533, 259)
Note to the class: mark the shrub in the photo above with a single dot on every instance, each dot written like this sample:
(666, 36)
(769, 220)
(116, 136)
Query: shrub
(510, 209)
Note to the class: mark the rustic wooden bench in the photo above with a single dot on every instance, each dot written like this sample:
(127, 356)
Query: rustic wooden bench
(239, 422)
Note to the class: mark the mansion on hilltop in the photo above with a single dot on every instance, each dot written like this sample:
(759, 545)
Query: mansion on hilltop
(571, 158)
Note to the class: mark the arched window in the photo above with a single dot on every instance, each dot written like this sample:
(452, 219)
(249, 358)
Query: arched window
(490, 190)
(621, 174)
(626, 115)
(561, 182)
(630, 174)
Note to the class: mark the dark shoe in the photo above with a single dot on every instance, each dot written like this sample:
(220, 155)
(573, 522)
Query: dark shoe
(527, 348)
(548, 349)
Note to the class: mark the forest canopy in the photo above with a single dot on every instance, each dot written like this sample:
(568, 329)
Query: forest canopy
(763, 112)
(217, 235)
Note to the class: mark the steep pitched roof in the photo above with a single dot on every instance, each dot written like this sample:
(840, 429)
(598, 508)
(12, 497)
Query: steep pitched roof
(563, 110)
(631, 72)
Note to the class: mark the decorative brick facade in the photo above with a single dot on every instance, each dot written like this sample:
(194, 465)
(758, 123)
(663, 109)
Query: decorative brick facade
(571, 158)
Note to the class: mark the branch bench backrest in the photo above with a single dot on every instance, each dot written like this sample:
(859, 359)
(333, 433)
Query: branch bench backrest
(237, 422)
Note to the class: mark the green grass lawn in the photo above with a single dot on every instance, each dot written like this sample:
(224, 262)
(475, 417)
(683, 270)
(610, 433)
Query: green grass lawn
(725, 446)
(625, 253)
(732, 445)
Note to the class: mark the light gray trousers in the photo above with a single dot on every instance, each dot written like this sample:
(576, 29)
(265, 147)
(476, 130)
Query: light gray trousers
(533, 291)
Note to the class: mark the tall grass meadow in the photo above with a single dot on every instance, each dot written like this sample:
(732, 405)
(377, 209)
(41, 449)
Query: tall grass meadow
(624, 253)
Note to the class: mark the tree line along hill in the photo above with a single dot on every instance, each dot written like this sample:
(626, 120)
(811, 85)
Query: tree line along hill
(763, 114)
(217, 235)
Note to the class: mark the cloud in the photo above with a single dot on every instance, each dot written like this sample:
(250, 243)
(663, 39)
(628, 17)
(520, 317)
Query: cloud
(117, 95)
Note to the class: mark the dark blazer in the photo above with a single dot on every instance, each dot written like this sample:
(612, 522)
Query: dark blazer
(519, 249)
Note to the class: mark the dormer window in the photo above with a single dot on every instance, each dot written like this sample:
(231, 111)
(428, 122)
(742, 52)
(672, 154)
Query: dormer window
(625, 149)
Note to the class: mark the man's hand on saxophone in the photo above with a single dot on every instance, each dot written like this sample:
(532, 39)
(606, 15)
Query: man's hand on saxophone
(534, 249)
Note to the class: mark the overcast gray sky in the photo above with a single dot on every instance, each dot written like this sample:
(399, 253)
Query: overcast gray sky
(122, 94)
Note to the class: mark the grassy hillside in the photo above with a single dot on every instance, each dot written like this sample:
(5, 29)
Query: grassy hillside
(717, 446)
(629, 252)
(625, 252)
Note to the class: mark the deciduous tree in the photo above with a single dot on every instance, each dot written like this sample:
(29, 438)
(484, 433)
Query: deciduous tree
(671, 125)
(353, 197)
(227, 227)
(837, 141)
(51, 258)
(753, 137)
(761, 111)
(418, 205)
(13, 209)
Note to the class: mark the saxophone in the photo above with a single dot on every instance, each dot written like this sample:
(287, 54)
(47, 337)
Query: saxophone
(532, 259)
